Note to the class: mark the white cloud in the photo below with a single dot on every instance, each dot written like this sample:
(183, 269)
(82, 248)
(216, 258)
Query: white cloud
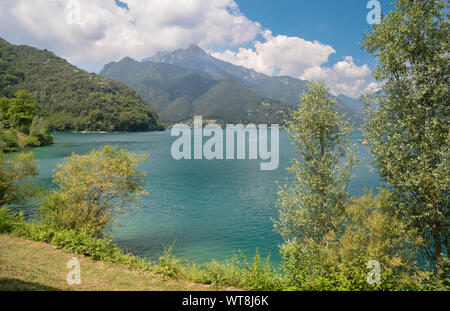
(372, 88)
(280, 54)
(109, 32)
(302, 59)
(345, 77)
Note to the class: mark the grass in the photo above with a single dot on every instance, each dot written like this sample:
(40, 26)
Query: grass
(28, 265)
(256, 274)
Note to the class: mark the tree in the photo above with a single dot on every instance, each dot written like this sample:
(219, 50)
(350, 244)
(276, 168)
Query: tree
(41, 131)
(22, 110)
(409, 130)
(15, 177)
(364, 232)
(4, 107)
(9, 140)
(93, 188)
(10, 74)
(318, 192)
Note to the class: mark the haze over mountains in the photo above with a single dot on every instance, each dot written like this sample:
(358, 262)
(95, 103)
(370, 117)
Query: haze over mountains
(189, 81)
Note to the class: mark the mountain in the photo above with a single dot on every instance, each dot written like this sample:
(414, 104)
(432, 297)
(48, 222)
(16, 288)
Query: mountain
(70, 98)
(179, 93)
(351, 102)
(282, 88)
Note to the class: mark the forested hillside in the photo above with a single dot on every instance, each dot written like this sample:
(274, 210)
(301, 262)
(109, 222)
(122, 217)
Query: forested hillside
(70, 99)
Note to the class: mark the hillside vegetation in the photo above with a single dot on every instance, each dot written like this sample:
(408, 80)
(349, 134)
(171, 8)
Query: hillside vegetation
(69, 98)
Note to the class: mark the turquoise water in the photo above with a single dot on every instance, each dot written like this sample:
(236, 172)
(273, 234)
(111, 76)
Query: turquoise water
(210, 208)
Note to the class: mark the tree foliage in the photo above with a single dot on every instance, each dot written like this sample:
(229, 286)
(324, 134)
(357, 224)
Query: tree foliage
(21, 111)
(409, 130)
(41, 131)
(319, 190)
(93, 189)
(363, 232)
(10, 75)
(19, 115)
(329, 238)
(16, 175)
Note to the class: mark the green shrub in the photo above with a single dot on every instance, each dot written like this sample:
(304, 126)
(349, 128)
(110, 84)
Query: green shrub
(168, 264)
(9, 220)
(93, 189)
(41, 131)
(363, 233)
(16, 177)
(83, 243)
(11, 140)
(237, 272)
(31, 141)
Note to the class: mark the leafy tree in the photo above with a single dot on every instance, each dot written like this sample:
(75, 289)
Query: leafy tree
(22, 110)
(15, 177)
(93, 188)
(4, 107)
(408, 130)
(9, 140)
(41, 131)
(318, 192)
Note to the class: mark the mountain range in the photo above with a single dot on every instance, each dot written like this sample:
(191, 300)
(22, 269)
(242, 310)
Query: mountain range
(189, 81)
(179, 93)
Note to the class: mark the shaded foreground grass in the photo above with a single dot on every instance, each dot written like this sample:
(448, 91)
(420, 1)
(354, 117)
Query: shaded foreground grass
(28, 265)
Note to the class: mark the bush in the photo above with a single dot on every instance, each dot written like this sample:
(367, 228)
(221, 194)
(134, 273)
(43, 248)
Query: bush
(83, 243)
(237, 272)
(92, 189)
(364, 232)
(41, 131)
(9, 220)
(31, 141)
(16, 175)
(10, 140)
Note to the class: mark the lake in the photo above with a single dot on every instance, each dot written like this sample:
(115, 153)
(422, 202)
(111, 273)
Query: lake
(207, 207)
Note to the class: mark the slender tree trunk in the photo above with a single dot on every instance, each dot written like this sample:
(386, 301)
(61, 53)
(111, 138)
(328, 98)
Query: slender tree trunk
(437, 248)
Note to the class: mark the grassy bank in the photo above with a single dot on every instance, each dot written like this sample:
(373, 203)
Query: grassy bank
(256, 274)
(29, 265)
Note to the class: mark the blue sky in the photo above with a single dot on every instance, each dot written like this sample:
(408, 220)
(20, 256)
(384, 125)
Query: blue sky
(340, 23)
(304, 39)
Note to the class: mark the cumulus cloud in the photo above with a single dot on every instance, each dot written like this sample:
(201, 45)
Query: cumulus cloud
(345, 77)
(107, 31)
(104, 32)
(280, 54)
(302, 59)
